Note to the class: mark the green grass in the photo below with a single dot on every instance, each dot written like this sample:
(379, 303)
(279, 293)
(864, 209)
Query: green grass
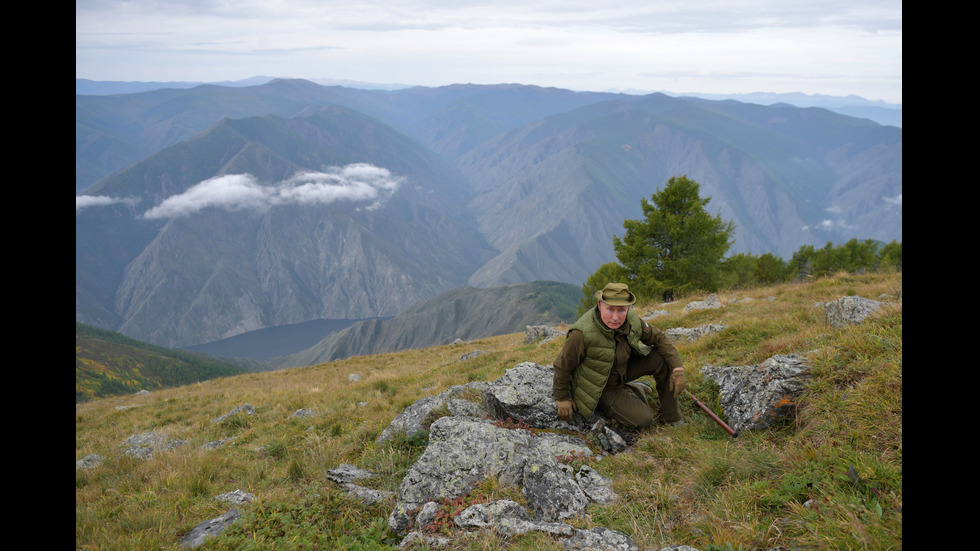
(829, 479)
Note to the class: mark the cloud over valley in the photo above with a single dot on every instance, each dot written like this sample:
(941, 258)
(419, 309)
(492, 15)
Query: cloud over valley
(360, 182)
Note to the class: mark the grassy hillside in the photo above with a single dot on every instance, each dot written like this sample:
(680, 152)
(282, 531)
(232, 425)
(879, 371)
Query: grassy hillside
(111, 364)
(832, 479)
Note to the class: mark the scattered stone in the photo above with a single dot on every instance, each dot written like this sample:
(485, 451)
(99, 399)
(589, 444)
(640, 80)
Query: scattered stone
(655, 313)
(302, 413)
(238, 497)
(246, 409)
(144, 445)
(89, 461)
(210, 528)
(472, 355)
(424, 539)
(693, 334)
(711, 302)
(597, 487)
(598, 539)
(346, 474)
(353, 378)
(610, 440)
(214, 444)
(543, 333)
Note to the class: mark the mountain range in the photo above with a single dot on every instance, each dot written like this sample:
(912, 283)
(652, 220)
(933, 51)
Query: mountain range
(211, 211)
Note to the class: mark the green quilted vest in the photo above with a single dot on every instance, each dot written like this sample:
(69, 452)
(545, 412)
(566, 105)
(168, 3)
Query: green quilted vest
(589, 378)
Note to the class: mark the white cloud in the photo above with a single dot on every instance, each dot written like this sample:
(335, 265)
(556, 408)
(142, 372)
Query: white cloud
(897, 200)
(241, 192)
(85, 201)
(831, 225)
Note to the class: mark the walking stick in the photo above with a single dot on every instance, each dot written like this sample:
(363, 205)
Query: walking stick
(711, 414)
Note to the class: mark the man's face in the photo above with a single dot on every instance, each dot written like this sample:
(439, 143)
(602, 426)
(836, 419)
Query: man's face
(613, 316)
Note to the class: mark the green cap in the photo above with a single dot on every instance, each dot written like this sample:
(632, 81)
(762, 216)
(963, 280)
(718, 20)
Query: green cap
(616, 294)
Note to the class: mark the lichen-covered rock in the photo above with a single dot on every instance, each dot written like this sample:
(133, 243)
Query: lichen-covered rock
(244, 409)
(464, 451)
(345, 475)
(694, 333)
(525, 393)
(145, 444)
(599, 538)
(542, 333)
(757, 396)
(411, 420)
(849, 310)
(482, 515)
(210, 528)
(711, 302)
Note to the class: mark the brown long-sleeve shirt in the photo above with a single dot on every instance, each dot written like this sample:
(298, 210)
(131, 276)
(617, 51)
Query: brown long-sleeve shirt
(573, 352)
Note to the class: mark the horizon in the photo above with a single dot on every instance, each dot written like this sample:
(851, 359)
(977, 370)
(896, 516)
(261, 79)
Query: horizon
(258, 80)
(729, 48)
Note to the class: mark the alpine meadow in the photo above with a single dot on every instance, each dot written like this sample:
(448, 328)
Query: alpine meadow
(322, 317)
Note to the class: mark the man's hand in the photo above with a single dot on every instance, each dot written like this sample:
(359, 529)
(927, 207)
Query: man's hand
(677, 382)
(565, 409)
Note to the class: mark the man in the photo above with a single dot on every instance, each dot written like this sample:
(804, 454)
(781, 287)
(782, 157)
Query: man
(606, 350)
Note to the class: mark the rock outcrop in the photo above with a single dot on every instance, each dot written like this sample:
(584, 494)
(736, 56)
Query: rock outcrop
(491, 431)
(758, 396)
(850, 310)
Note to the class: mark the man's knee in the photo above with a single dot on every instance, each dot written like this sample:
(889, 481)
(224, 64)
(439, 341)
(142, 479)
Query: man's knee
(634, 417)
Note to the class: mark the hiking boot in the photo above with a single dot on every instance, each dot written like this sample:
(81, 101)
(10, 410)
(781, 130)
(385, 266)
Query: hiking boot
(675, 424)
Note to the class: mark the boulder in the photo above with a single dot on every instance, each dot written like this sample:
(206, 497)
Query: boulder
(849, 310)
(210, 528)
(410, 421)
(711, 302)
(757, 396)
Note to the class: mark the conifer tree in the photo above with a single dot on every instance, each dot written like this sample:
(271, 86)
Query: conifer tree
(678, 245)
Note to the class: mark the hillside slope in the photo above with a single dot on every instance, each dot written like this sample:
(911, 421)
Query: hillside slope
(463, 314)
(110, 364)
(830, 479)
(367, 239)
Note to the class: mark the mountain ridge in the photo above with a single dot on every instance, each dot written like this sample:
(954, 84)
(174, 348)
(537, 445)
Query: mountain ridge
(485, 186)
(464, 313)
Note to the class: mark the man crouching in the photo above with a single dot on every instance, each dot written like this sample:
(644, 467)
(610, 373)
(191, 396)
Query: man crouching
(604, 354)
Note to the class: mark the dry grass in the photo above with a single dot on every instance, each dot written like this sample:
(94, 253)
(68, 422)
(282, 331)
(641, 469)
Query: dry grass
(830, 480)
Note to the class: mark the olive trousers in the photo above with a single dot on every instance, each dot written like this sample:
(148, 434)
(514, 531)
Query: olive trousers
(628, 403)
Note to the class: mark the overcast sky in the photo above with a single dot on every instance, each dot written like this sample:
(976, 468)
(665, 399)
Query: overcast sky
(834, 47)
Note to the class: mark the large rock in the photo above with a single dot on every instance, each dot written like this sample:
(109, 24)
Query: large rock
(210, 528)
(711, 302)
(463, 452)
(850, 310)
(525, 392)
(757, 396)
(411, 420)
(694, 333)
